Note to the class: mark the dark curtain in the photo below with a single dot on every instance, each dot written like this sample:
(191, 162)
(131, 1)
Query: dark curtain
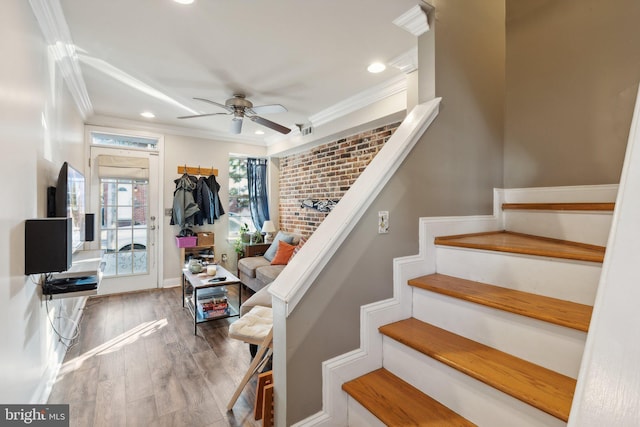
(258, 203)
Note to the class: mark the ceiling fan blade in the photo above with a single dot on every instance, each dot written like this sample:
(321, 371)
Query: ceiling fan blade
(216, 104)
(271, 125)
(269, 109)
(236, 125)
(201, 115)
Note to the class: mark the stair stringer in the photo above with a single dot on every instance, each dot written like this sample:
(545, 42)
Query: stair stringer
(368, 357)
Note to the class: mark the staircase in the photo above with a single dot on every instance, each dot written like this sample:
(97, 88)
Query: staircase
(494, 333)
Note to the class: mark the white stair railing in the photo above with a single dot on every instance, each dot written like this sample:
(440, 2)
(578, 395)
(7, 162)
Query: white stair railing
(291, 285)
(609, 380)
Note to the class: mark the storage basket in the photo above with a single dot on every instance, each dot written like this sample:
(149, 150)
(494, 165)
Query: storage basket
(205, 239)
(187, 241)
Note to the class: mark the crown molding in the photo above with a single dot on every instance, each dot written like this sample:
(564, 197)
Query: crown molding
(367, 97)
(414, 21)
(54, 27)
(117, 122)
(407, 62)
(357, 102)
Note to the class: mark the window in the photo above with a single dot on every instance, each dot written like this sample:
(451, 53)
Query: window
(123, 141)
(123, 225)
(239, 212)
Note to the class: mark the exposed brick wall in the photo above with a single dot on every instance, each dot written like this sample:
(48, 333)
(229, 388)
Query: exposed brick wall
(324, 172)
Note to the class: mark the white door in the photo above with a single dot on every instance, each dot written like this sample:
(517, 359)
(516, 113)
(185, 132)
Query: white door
(127, 221)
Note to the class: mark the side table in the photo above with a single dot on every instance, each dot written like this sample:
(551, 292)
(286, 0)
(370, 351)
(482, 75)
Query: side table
(255, 249)
(207, 297)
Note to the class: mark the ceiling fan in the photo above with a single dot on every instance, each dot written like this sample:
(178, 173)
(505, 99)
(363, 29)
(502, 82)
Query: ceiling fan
(241, 107)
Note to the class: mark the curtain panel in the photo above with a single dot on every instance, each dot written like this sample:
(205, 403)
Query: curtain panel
(258, 201)
(123, 167)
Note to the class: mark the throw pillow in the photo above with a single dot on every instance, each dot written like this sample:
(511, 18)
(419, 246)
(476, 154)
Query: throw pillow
(271, 252)
(301, 243)
(283, 253)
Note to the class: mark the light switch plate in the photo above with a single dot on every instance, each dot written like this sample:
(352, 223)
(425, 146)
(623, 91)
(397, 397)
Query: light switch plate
(383, 222)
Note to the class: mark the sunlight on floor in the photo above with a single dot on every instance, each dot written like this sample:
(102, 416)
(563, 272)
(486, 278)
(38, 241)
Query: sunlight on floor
(115, 344)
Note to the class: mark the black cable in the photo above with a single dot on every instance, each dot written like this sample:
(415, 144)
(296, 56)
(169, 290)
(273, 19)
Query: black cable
(76, 332)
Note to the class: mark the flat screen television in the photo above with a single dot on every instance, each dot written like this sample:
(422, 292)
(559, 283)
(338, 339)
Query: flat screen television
(70, 203)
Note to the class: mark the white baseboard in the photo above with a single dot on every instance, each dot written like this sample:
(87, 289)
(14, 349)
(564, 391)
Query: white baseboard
(171, 282)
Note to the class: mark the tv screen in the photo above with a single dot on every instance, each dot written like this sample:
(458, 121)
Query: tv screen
(70, 202)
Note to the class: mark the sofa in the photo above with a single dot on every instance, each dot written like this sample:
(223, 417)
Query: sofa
(257, 272)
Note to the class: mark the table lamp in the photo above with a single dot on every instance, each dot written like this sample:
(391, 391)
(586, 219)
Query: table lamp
(268, 228)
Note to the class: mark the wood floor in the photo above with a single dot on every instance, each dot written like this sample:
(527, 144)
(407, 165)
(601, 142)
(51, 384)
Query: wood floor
(138, 363)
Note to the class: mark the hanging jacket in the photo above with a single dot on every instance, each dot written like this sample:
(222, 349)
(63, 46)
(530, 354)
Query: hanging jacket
(205, 202)
(213, 185)
(184, 205)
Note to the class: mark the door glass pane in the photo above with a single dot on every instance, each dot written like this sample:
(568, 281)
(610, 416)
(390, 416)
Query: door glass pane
(124, 234)
(125, 265)
(108, 192)
(140, 262)
(108, 219)
(108, 240)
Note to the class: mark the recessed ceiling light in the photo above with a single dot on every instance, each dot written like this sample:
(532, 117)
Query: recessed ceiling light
(376, 67)
(184, 1)
(259, 132)
(148, 114)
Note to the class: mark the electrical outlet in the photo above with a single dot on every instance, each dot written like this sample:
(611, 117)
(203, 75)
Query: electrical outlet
(224, 258)
(168, 212)
(383, 222)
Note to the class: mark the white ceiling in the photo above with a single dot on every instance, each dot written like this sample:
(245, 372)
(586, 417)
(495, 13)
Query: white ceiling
(156, 55)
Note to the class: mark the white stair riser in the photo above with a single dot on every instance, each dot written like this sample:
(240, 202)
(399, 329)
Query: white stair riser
(472, 399)
(568, 194)
(569, 280)
(359, 416)
(552, 346)
(585, 227)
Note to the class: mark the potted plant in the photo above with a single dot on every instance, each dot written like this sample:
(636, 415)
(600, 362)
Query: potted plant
(238, 247)
(244, 233)
(256, 237)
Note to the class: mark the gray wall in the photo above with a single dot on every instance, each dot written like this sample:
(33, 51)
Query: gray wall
(572, 68)
(451, 171)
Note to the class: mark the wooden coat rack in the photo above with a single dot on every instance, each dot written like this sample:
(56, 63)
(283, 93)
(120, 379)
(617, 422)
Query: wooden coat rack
(197, 170)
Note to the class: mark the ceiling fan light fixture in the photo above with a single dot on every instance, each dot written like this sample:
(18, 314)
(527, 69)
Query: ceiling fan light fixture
(240, 107)
(376, 67)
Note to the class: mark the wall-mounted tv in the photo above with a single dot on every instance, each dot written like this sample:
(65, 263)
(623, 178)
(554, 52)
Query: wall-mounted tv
(70, 203)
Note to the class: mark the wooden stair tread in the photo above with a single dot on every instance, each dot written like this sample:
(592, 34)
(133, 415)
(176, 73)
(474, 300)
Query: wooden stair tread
(542, 388)
(508, 241)
(605, 207)
(552, 310)
(397, 403)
